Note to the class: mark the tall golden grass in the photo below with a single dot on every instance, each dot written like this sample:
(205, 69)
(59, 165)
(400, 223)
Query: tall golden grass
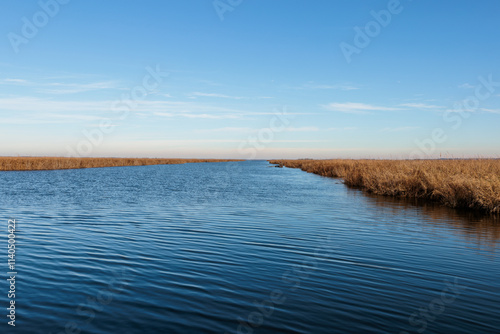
(466, 184)
(50, 163)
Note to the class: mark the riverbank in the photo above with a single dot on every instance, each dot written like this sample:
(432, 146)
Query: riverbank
(54, 163)
(472, 184)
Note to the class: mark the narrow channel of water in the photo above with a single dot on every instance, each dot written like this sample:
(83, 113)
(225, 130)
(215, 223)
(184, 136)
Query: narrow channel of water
(240, 247)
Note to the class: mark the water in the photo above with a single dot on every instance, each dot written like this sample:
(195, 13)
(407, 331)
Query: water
(239, 247)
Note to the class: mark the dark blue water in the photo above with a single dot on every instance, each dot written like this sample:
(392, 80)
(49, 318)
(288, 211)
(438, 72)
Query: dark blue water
(239, 248)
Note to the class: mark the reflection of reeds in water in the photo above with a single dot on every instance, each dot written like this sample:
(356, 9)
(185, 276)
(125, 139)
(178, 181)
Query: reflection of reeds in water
(49, 163)
(464, 184)
(476, 227)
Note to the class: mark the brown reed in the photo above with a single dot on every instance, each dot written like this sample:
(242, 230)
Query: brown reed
(472, 184)
(51, 163)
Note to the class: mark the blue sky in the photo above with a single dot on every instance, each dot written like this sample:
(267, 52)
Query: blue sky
(250, 79)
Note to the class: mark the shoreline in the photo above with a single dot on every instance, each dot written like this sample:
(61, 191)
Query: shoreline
(466, 184)
(8, 164)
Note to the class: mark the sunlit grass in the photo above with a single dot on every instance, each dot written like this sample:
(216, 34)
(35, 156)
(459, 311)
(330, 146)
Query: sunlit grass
(50, 163)
(471, 184)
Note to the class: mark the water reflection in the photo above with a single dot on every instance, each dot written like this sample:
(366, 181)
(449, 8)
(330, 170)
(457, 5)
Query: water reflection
(481, 229)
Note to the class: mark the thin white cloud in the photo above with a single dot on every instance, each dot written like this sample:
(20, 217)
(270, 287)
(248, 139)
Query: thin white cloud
(421, 106)
(72, 88)
(228, 130)
(302, 129)
(493, 111)
(61, 87)
(356, 108)
(400, 129)
(14, 81)
(251, 130)
(347, 128)
(27, 121)
(460, 109)
(77, 117)
(50, 119)
(189, 115)
(203, 141)
(38, 105)
(466, 86)
(222, 96)
(35, 107)
(316, 86)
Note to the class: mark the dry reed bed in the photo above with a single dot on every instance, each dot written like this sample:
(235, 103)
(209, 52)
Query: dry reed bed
(50, 163)
(465, 184)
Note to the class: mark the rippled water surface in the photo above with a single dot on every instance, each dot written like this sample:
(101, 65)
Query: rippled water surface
(239, 247)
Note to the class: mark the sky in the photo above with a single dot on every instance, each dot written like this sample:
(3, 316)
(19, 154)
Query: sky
(248, 79)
